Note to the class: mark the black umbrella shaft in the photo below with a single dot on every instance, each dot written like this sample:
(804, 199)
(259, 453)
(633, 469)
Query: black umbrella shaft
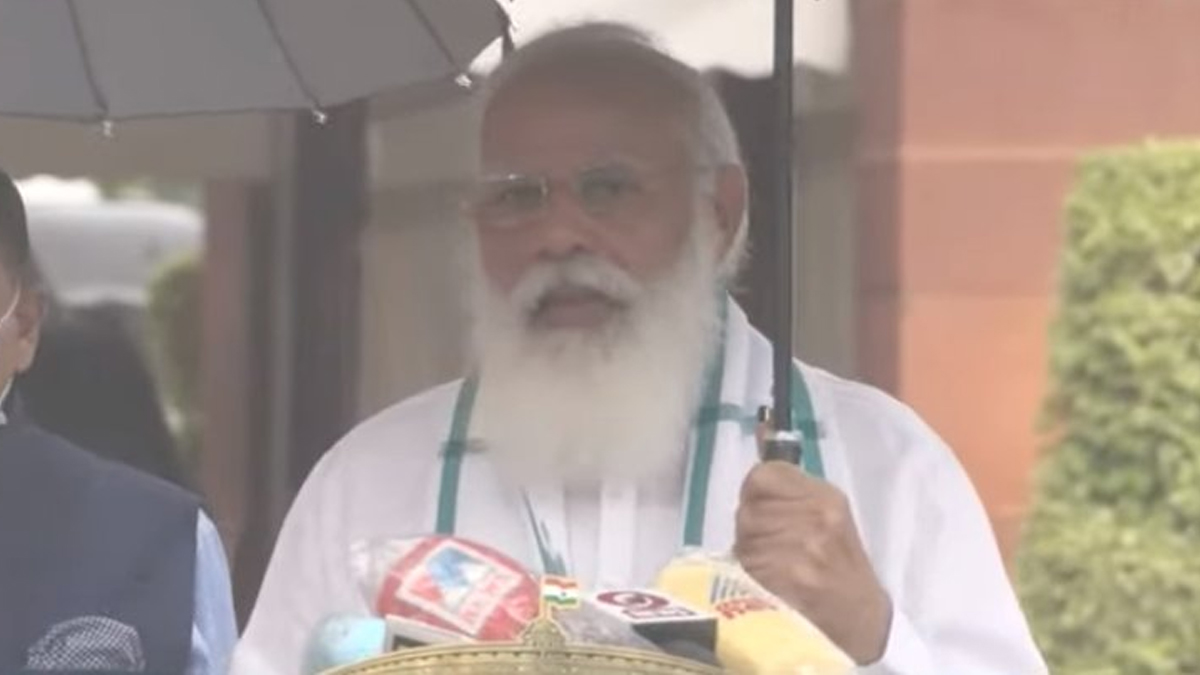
(783, 148)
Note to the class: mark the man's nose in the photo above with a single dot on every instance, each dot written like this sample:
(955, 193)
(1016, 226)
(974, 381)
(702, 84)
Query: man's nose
(565, 227)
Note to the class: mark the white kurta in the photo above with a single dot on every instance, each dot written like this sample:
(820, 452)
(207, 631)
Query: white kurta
(921, 522)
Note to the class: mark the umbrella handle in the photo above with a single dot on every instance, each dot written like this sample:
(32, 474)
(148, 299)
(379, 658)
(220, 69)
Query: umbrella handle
(774, 444)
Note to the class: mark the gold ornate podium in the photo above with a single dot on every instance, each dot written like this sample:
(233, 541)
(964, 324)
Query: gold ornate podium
(542, 650)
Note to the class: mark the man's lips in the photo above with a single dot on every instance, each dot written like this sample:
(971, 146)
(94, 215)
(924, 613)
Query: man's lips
(574, 308)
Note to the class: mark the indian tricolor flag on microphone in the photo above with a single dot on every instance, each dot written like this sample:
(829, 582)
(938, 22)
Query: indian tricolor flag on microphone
(559, 592)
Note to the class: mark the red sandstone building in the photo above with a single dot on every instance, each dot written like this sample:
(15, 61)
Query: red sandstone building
(971, 115)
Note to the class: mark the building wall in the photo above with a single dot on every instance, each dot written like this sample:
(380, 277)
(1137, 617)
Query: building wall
(414, 325)
(972, 115)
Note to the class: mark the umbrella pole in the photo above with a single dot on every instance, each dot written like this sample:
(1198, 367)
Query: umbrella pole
(779, 441)
(506, 37)
(783, 210)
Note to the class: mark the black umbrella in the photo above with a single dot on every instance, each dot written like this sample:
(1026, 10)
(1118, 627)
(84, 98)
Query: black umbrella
(104, 61)
(781, 442)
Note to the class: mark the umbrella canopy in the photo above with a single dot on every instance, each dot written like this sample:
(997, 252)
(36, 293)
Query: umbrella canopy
(226, 147)
(118, 59)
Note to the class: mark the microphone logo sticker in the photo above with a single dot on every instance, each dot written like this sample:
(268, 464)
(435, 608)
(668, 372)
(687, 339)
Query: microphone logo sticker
(458, 586)
(732, 597)
(641, 605)
(735, 607)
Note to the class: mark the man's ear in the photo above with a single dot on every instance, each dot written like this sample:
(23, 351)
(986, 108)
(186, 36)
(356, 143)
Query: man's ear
(28, 315)
(731, 201)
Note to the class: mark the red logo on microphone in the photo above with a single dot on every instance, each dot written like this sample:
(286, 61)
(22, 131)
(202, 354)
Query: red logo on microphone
(735, 607)
(641, 605)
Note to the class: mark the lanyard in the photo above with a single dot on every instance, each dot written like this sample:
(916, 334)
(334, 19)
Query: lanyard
(711, 414)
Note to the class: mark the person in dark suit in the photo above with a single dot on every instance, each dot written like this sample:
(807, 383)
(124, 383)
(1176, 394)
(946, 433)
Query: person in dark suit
(102, 567)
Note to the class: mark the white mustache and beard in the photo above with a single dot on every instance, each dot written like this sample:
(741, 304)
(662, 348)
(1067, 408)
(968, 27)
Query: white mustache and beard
(577, 407)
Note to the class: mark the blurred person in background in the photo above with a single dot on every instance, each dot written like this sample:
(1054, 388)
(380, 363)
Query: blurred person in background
(85, 354)
(83, 537)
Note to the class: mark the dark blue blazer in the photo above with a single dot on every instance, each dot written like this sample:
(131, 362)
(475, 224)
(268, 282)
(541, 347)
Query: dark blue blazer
(83, 536)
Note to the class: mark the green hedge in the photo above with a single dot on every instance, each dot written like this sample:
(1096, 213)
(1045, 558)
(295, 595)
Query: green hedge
(1109, 567)
(175, 339)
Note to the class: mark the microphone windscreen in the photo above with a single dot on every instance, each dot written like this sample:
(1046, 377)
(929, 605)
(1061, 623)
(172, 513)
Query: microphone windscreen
(343, 640)
(453, 584)
(86, 643)
(757, 633)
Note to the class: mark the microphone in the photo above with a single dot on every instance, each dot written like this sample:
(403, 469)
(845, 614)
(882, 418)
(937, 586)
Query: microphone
(405, 633)
(672, 626)
(448, 590)
(588, 623)
(757, 633)
(346, 639)
(691, 651)
(342, 640)
(88, 643)
(450, 585)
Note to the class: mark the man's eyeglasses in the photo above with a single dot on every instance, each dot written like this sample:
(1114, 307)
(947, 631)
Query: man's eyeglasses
(604, 191)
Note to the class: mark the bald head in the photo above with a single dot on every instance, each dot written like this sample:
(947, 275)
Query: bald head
(619, 66)
(625, 60)
(572, 114)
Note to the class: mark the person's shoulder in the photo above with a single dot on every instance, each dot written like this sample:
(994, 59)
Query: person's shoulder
(378, 475)
(861, 408)
(415, 416)
(80, 482)
(411, 430)
(106, 476)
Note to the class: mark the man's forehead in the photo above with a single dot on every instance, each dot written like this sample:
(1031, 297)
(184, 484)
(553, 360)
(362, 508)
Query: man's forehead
(557, 123)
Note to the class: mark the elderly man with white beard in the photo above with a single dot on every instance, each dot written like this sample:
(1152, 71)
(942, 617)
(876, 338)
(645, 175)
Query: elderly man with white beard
(609, 410)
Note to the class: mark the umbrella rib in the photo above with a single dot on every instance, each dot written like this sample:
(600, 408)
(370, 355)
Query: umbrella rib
(88, 71)
(437, 38)
(269, 18)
